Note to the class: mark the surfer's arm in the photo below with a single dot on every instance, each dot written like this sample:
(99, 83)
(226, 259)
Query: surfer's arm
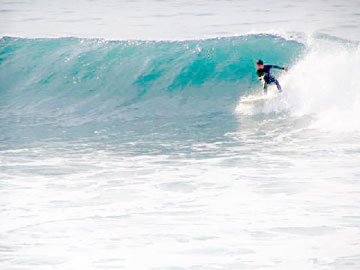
(260, 76)
(274, 66)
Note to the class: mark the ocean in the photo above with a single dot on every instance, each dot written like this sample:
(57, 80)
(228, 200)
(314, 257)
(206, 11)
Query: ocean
(129, 138)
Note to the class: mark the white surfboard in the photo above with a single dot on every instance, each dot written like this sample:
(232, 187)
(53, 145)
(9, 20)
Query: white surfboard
(254, 99)
(258, 99)
(254, 103)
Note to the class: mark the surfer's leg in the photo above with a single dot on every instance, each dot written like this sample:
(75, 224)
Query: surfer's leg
(265, 88)
(278, 86)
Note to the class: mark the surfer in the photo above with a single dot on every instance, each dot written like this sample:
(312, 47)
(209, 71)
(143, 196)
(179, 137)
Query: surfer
(263, 72)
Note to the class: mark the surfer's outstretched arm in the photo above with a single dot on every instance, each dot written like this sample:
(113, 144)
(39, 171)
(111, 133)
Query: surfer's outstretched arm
(274, 66)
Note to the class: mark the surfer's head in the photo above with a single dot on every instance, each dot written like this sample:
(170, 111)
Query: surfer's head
(260, 64)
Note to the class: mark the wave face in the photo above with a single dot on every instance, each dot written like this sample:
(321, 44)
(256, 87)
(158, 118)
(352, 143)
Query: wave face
(58, 77)
(51, 85)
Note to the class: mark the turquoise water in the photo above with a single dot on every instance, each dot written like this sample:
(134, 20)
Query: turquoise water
(74, 87)
(145, 150)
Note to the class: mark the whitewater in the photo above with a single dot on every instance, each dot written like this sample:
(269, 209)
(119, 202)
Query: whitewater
(129, 138)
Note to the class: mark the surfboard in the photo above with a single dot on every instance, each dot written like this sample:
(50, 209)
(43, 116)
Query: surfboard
(251, 103)
(258, 99)
(254, 99)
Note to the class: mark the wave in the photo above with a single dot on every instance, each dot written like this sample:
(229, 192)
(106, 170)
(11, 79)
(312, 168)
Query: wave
(56, 77)
(73, 81)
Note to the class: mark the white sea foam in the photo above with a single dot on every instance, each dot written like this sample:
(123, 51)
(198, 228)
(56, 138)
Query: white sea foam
(325, 84)
(322, 84)
(258, 203)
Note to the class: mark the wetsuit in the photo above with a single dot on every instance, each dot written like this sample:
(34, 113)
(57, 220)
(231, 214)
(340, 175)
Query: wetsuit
(268, 78)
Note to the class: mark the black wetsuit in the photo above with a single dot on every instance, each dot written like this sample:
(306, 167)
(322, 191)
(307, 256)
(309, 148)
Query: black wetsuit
(268, 78)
